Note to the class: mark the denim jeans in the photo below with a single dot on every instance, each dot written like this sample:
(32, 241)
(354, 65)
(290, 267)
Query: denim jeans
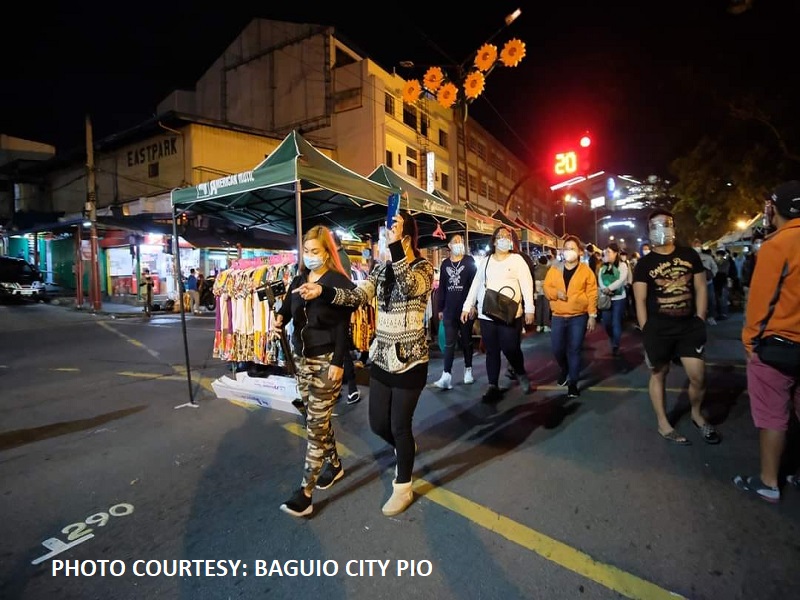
(612, 320)
(566, 338)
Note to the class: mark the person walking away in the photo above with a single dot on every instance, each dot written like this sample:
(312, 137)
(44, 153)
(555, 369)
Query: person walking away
(612, 281)
(194, 294)
(399, 352)
(147, 284)
(541, 302)
(711, 268)
(722, 282)
(749, 265)
(455, 278)
(502, 268)
(571, 288)
(353, 393)
(671, 301)
(319, 343)
(772, 320)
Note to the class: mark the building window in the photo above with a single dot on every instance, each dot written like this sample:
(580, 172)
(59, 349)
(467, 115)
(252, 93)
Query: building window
(410, 116)
(484, 189)
(445, 182)
(411, 169)
(424, 125)
(480, 150)
(473, 185)
(492, 194)
(152, 170)
(443, 140)
(389, 156)
(462, 178)
(388, 104)
(411, 153)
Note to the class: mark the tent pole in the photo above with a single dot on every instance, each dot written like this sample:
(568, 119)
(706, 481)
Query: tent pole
(298, 215)
(179, 284)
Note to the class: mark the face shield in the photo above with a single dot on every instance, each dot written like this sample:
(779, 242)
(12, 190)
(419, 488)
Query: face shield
(661, 230)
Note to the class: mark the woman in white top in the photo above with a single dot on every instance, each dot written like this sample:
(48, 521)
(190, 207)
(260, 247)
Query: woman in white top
(612, 277)
(502, 267)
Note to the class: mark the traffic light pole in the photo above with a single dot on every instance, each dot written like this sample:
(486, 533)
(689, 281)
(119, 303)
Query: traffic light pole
(91, 214)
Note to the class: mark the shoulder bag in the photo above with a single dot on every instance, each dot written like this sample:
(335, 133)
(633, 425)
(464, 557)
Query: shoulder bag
(498, 306)
(775, 350)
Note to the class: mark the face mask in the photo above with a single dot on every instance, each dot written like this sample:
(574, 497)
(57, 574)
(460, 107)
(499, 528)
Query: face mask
(570, 255)
(312, 262)
(457, 249)
(756, 246)
(504, 244)
(698, 249)
(645, 252)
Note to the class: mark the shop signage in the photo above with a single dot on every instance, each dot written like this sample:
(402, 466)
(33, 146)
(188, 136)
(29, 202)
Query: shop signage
(152, 152)
(211, 188)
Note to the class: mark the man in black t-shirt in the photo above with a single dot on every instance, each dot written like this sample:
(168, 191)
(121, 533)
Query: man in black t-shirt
(669, 285)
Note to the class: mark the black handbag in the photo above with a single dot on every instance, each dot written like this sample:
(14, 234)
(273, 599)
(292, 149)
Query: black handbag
(774, 350)
(498, 306)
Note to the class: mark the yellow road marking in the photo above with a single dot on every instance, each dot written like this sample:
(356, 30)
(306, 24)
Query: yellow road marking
(609, 576)
(142, 375)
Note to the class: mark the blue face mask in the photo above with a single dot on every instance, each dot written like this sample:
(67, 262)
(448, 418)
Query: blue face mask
(312, 262)
(504, 244)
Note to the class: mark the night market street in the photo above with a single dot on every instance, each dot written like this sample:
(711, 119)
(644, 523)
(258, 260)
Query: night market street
(536, 497)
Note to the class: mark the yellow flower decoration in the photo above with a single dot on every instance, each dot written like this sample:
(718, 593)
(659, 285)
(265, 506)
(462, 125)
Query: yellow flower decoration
(513, 52)
(486, 56)
(474, 85)
(447, 95)
(433, 78)
(411, 91)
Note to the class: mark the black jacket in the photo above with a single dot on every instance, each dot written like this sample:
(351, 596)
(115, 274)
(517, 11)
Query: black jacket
(319, 327)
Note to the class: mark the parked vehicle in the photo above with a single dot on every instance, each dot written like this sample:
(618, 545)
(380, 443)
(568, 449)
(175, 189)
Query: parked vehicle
(20, 279)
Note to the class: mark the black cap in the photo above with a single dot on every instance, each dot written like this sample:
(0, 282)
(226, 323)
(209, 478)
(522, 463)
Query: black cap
(786, 198)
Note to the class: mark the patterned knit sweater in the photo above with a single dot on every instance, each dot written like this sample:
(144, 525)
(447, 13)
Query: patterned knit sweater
(400, 340)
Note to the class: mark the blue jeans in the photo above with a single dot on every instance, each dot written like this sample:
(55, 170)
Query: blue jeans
(566, 338)
(612, 320)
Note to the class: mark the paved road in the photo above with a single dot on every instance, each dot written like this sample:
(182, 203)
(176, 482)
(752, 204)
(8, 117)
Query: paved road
(537, 497)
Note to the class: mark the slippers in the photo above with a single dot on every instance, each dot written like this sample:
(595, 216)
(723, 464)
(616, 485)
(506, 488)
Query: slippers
(710, 435)
(675, 438)
(754, 485)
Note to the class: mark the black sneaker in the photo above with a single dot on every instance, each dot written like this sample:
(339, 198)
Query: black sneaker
(563, 380)
(492, 394)
(524, 383)
(572, 391)
(353, 397)
(299, 505)
(510, 373)
(329, 475)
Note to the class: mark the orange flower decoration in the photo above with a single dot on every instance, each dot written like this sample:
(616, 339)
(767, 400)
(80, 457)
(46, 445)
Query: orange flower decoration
(513, 52)
(433, 78)
(486, 56)
(411, 91)
(474, 85)
(447, 95)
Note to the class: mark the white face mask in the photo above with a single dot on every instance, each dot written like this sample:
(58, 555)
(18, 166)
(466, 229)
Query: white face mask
(570, 255)
(457, 249)
(756, 246)
(698, 249)
(504, 244)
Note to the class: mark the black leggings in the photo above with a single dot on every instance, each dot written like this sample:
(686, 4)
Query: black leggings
(499, 337)
(391, 411)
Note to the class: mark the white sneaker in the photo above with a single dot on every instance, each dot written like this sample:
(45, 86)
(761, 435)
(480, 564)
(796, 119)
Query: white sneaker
(711, 321)
(445, 382)
(468, 378)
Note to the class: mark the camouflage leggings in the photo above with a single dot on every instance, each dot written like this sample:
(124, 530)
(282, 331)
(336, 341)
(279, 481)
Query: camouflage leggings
(319, 395)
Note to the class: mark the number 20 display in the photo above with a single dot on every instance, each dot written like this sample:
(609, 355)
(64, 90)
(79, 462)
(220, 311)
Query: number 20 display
(566, 163)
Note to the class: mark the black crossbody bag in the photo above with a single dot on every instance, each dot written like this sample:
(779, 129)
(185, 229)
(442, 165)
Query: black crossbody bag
(775, 350)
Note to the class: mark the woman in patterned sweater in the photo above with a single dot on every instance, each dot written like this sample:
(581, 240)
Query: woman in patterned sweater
(399, 353)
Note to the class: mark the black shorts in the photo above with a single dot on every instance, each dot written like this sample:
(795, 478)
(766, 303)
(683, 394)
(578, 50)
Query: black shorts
(668, 339)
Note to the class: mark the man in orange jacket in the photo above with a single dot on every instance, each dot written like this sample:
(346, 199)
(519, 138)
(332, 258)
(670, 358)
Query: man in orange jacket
(571, 288)
(772, 324)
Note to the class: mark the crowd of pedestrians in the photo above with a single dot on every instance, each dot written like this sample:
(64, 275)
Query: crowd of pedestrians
(671, 293)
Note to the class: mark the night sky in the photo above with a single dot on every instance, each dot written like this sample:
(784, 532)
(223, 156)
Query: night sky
(644, 81)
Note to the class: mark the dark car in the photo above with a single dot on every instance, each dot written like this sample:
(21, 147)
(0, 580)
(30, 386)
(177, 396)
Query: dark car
(20, 279)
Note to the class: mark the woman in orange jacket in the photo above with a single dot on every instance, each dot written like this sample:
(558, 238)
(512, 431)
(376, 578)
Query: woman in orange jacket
(571, 288)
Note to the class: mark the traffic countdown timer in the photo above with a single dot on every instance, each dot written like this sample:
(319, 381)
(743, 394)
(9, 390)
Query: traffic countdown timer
(574, 161)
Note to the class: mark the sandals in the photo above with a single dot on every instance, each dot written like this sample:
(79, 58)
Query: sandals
(675, 438)
(754, 485)
(710, 435)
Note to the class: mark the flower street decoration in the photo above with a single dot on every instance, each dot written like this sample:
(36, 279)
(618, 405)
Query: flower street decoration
(474, 85)
(411, 91)
(447, 95)
(513, 52)
(486, 57)
(466, 86)
(433, 78)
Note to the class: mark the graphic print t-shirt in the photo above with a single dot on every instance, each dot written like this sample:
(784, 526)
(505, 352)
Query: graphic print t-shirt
(454, 282)
(670, 282)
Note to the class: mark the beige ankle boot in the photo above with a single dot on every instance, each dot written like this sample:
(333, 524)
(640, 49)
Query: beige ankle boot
(402, 497)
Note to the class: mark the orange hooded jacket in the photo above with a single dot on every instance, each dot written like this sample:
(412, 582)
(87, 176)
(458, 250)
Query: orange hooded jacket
(581, 295)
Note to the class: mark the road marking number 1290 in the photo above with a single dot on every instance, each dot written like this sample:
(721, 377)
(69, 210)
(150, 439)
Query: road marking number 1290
(77, 533)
